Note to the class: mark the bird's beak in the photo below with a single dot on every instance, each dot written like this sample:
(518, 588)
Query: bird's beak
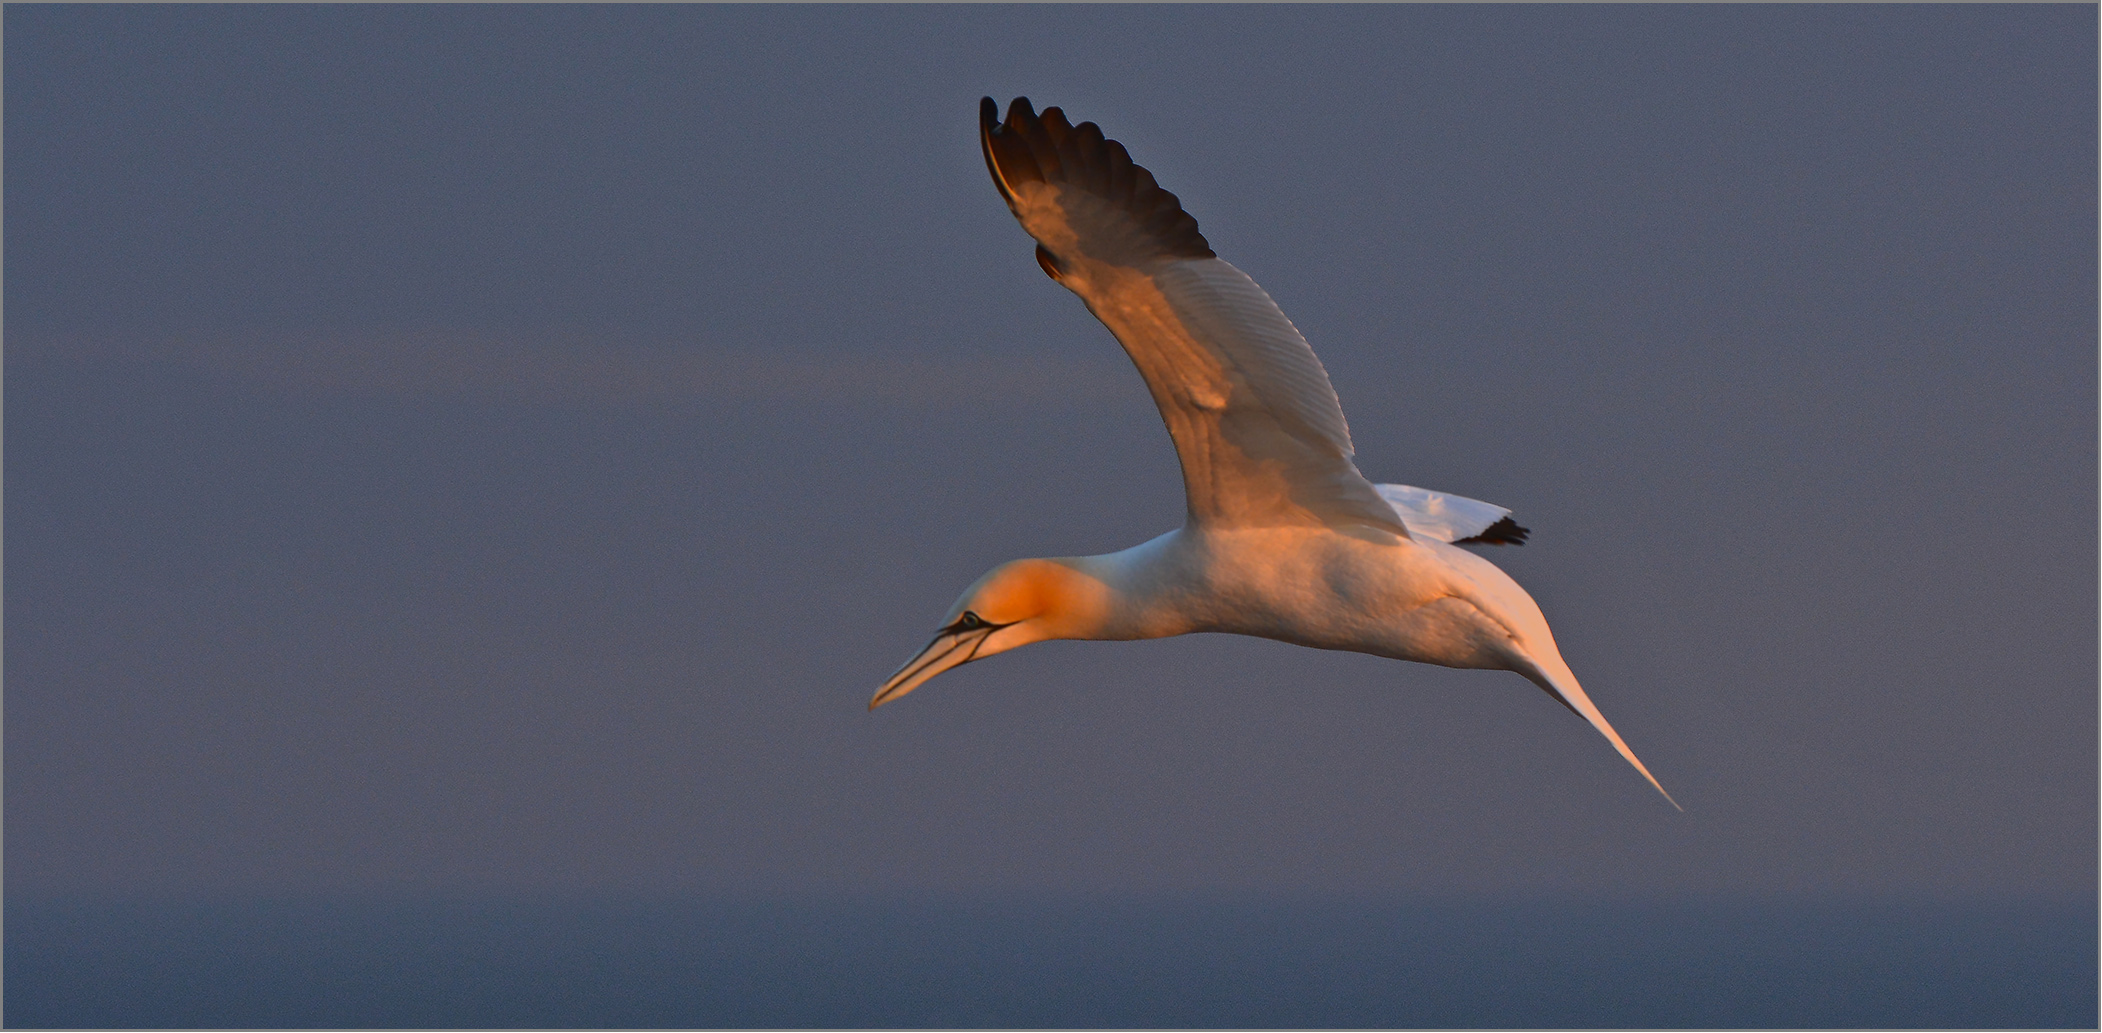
(950, 648)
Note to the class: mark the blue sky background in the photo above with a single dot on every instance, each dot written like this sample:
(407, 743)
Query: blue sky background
(489, 448)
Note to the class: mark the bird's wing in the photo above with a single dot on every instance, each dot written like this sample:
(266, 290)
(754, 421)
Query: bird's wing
(1452, 518)
(1255, 422)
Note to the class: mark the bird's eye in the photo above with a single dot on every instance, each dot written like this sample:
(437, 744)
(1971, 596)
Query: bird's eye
(970, 621)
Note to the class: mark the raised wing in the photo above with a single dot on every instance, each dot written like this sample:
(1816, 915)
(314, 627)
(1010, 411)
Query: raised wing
(1255, 422)
(1452, 518)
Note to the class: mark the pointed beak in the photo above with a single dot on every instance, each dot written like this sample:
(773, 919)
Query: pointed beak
(949, 649)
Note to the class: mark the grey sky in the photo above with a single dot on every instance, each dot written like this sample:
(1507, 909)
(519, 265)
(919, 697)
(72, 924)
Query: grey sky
(492, 447)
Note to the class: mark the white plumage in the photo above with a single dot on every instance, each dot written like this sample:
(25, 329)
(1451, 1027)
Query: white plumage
(1283, 538)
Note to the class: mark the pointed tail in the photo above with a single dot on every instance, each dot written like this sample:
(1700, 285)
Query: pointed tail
(1555, 676)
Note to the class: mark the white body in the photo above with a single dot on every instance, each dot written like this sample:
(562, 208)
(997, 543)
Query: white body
(1360, 590)
(1367, 592)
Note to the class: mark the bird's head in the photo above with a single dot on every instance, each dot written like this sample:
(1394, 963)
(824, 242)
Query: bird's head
(1017, 603)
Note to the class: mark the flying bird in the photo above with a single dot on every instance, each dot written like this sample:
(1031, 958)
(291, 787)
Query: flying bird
(1284, 538)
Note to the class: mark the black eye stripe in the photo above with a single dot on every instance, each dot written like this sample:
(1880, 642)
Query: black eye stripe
(970, 621)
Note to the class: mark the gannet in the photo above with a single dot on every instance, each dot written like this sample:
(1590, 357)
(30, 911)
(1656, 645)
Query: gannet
(1283, 538)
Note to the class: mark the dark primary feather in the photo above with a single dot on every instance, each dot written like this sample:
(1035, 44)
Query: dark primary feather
(1032, 148)
(1504, 531)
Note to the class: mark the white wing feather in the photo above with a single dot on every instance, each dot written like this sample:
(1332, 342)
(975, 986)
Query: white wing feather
(1434, 514)
(1256, 424)
(1226, 308)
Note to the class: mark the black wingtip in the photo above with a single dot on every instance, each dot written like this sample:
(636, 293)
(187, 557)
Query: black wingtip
(1031, 148)
(1008, 155)
(990, 141)
(1505, 531)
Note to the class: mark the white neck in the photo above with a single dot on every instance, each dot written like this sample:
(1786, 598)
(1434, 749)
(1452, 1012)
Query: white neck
(1148, 586)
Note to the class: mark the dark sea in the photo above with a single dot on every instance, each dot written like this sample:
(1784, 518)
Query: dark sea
(1096, 962)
